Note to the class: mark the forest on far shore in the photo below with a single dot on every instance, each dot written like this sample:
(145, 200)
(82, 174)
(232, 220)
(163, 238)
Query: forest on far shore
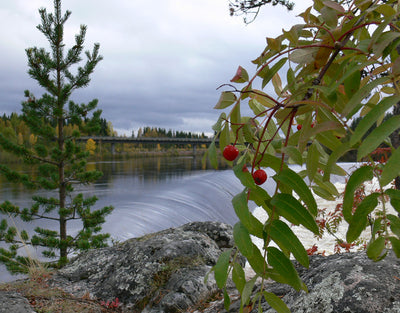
(13, 127)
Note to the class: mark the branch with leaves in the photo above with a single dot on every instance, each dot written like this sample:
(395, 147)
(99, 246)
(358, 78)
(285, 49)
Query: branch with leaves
(332, 65)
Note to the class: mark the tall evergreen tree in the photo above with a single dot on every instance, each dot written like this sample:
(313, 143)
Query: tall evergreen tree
(59, 161)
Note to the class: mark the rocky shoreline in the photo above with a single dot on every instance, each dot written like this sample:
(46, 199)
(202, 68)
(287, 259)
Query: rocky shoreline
(164, 272)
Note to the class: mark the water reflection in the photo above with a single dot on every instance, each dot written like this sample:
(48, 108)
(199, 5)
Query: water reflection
(148, 194)
(144, 169)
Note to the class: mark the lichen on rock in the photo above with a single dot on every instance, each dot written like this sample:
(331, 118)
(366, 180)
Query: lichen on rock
(159, 272)
(345, 283)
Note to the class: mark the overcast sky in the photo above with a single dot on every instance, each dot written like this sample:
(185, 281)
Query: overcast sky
(163, 59)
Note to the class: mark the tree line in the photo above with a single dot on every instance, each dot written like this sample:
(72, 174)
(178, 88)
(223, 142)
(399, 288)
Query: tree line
(15, 129)
(156, 132)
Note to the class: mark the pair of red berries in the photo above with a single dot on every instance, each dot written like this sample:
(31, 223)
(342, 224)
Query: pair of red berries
(230, 153)
(299, 126)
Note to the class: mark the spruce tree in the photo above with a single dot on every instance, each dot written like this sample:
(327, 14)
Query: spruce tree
(59, 161)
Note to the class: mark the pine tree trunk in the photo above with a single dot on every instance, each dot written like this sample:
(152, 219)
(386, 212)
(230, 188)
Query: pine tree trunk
(62, 193)
(60, 122)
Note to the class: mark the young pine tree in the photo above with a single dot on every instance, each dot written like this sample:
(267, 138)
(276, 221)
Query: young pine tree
(59, 162)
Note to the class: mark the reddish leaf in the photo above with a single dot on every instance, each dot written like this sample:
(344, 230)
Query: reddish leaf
(241, 76)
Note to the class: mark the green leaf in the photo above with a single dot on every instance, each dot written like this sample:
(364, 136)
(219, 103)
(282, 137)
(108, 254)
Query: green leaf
(227, 300)
(257, 261)
(262, 98)
(221, 268)
(375, 248)
(386, 10)
(323, 193)
(291, 80)
(326, 185)
(333, 157)
(276, 303)
(329, 140)
(352, 83)
(267, 75)
(395, 245)
(360, 217)
(294, 154)
(260, 197)
(281, 233)
(242, 239)
(377, 136)
(236, 120)
(312, 161)
(368, 120)
(248, 133)
(394, 195)
(226, 99)
(218, 125)
(291, 209)
(253, 225)
(329, 16)
(224, 137)
(384, 40)
(238, 277)
(391, 169)
(376, 35)
(334, 5)
(321, 128)
(272, 162)
(396, 67)
(257, 108)
(394, 224)
(358, 177)
(212, 155)
(277, 83)
(303, 55)
(376, 226)
(279, 261)
(292, 179)
(244, 176)
(356, 101)
(247, 291)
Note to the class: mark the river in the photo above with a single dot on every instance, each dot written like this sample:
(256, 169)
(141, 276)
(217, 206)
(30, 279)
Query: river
(148, 193)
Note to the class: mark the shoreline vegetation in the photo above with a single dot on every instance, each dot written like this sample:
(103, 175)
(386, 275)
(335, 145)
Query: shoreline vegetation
(15, 129)
(144, 153)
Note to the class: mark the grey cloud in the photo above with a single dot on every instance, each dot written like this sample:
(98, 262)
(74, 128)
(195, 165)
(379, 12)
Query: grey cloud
(162, 62)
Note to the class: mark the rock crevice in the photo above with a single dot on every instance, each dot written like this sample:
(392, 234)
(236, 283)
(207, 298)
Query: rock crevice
(160, 272)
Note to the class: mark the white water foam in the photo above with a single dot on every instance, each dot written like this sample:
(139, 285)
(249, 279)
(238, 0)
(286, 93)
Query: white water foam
(326, 244)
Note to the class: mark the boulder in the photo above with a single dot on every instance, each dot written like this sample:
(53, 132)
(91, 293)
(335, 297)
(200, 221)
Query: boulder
(345, 283)
(159, 272)
(14, 302)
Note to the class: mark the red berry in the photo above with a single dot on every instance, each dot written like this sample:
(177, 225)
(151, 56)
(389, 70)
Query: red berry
(299, 126)
(230, 152)
(259, 177)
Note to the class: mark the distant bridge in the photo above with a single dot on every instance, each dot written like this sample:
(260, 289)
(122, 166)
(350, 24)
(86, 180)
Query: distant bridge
(149, 140)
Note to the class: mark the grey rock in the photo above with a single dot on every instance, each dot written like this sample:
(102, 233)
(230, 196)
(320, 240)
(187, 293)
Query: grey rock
(159, 272)
(340, 283)
(349, 282)
(14, 302)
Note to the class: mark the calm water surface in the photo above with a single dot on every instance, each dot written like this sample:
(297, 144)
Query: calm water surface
(151, 194)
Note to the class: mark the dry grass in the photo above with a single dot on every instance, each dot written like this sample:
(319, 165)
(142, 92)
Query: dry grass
(45, 299)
